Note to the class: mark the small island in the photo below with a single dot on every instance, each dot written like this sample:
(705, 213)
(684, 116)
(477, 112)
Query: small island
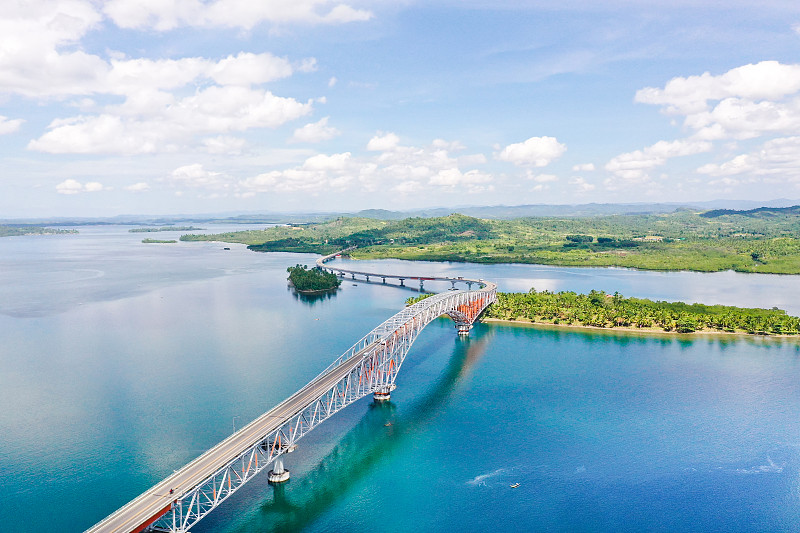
(600, 310)
(312, 280)
(158, 241)
(16, 230)
(156, 229)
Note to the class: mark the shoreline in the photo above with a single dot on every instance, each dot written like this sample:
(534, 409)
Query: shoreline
(644, 331)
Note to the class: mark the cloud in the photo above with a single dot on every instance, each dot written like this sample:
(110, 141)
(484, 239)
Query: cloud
(383, 142)
(195, 176)
(315, 132)
(138, 187)
(743, 103)
(332, 81)
(586, 167)
(775, 159)
(536, 151)
(581, 185)
(635, 166)
(165, 124)
(9, 126)
(224, 144)
(71, 186)
(542, 178)
(401, 169)
(165, 15)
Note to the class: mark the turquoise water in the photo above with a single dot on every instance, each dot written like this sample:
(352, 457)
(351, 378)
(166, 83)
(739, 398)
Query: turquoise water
(120, 362)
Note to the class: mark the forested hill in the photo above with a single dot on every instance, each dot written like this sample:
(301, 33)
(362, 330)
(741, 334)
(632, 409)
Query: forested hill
(761, 212)
(683, 240)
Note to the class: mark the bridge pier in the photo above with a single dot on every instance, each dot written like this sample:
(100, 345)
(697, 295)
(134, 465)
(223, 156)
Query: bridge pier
(384, 393)
(278, 474)
(421, 287)
(367, 278)
(463, 329)
(401, 282)
(384, 281)
(354, 276)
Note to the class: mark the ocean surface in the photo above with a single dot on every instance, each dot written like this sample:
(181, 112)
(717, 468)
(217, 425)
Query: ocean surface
(122, 361)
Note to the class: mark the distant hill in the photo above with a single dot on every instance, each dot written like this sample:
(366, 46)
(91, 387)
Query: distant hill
(497, 212)
(759, 212)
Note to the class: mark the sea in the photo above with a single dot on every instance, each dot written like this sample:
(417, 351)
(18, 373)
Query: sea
(122, 361)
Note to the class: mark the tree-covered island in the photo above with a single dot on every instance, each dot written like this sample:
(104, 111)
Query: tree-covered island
(312, 280)
(15, 230)
(600, 310)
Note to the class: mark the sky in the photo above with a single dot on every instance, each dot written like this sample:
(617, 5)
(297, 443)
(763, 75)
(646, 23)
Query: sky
(216, 106)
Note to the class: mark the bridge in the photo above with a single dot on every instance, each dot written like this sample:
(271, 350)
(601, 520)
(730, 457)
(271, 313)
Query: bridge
(370, 366)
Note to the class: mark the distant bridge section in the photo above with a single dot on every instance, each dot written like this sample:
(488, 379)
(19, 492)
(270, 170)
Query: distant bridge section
(370, 366)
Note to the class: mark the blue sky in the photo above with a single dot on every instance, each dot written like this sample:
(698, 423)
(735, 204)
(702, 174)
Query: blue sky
(190, 106)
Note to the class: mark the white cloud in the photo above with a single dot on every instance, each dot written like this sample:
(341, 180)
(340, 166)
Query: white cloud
(138, 187)
(332, 81)
(72, 186)
(581, 185)
(315, 132)
(195, 176)
(635, 166)
(224, 144)
(170, 123)
(542, 178)
(586, 167)
(165, 15)
(536, 151)
(327, 162)
(777, 158)
(383, 142)
(743, 103)
(8, 125)
(398, 168)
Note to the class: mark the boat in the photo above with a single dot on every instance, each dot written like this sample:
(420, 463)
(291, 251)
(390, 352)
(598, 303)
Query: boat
(514, 485)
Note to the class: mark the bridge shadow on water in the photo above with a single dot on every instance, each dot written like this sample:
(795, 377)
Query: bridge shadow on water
(380, 433)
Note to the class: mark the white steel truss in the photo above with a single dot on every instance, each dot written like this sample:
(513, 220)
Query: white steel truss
(369, 366)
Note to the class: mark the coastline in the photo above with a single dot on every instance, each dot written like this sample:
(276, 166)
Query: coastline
(643, 331)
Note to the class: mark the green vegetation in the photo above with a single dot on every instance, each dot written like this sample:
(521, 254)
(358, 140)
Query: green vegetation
(157, 241)
(163, 228)
(312, 280)
(598, 309)
(23, 229)
(766, 240)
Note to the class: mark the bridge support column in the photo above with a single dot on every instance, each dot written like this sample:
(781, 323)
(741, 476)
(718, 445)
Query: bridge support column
(384, 281)
(367, 278)
(278, 474)
(401, 282)
(354, 276)
(421, 287)
(463, 329)
(384, 393)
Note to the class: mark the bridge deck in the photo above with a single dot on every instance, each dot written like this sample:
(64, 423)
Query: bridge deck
(153, 503)
(157, 501)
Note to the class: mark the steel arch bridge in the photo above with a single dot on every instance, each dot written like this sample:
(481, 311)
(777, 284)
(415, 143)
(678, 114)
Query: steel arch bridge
(370, 366)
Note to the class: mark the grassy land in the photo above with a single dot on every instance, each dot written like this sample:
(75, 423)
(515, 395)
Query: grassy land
(763, 241)
(601, 310)
(158, 241)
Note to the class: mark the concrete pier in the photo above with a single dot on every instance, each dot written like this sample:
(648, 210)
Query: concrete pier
(278, 474)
